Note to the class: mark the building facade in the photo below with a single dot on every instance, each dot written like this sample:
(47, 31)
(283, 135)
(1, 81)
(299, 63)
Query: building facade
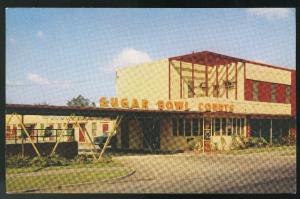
(228, 96)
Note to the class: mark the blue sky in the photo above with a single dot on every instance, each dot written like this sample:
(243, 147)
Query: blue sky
(53, 55)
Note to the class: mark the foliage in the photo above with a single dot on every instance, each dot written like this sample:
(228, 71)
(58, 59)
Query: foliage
(82, 159)
(80, 101)
(195, 144)
(223, 143)
(215, 147)
(18, 161)
(288, 140)
(257, 142)
(44, 161)
(48, 133)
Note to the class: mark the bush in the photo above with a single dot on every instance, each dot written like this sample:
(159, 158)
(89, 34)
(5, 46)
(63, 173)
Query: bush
(237, 142)
(46, 161)
(18, 161)
(288, 140)
(82, 159)
(195, 144)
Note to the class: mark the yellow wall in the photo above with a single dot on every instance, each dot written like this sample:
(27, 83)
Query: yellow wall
(148, 80)
(261, 73)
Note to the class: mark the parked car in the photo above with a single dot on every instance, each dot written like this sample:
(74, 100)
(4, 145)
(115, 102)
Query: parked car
(100, 141)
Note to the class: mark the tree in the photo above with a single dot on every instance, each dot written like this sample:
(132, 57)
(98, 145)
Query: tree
(80, 101)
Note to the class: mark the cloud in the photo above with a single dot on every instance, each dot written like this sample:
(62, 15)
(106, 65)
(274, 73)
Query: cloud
(39, 80)
(40, 34)
(270, 13)
(128, 56)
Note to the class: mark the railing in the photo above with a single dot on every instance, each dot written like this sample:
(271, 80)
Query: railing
(18, 136)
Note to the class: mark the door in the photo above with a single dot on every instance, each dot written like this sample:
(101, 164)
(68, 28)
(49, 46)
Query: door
(82, 133)
(207, 134)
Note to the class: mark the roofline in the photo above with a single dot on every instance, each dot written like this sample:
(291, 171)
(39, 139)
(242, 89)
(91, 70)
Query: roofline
(238, 60)
(111, 112)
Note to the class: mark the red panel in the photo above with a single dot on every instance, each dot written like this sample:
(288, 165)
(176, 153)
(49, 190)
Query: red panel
(280, 93)
(293, 93)
(248, 89)
(264, 92)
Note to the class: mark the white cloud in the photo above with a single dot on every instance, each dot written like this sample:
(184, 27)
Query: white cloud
(37, 79)
(270, 13)
(40, 34)
(128, 56)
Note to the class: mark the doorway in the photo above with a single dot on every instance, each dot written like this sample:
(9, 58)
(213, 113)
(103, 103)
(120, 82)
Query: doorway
(82, 133)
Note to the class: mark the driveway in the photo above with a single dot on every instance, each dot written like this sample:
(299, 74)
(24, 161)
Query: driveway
(189, 173)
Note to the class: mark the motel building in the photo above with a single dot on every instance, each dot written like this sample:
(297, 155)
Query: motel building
(199, 95)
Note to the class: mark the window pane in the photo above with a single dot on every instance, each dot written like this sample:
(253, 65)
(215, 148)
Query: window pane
(217, 126)
(195, 127)
(234, 126)
(242, 126)
(224, 126)
(174, 126)
(238, 124)
(201, 127)
(229, 126)
(187, 127)
(180, 128)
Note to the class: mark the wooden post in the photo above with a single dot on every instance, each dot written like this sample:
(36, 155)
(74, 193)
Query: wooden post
(27, 134)
(118, 121)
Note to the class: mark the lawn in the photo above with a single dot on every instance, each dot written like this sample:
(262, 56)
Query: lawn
(280, 150)
(21, 179)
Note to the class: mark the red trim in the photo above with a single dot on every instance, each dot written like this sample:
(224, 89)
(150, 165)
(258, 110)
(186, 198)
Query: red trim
(264, 91)
(280, 93)
(227, 80)
(293, 93)
(236, 80)
(169, 79)
(248, 89)
(180, 80)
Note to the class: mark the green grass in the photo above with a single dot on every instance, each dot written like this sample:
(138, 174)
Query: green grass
(282, 150)
(20, 183)
(71, 166)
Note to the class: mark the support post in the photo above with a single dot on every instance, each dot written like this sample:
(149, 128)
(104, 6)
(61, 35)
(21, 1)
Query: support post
(206, 80)
(217, 81)
(118, 121)
(90, 139)
(27, 134)
(227, 80)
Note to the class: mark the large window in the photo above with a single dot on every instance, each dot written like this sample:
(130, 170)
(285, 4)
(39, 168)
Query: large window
(181, 127)
(223, 125)
(234, 126)
(195, 127)
(187, 127)
(174, 126)
(229, 126)
(217, 126)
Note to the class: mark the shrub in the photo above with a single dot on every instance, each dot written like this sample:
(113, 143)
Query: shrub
(18, 161)
(195, 144)
(223, 143)
(191, 144)
(237, 142)
(288, 140)
(46, 161)
(82, 159)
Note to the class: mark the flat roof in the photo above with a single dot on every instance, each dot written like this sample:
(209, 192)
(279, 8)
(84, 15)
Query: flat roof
(26, 109)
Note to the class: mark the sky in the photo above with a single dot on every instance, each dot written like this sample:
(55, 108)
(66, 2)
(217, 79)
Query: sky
(55, 54)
